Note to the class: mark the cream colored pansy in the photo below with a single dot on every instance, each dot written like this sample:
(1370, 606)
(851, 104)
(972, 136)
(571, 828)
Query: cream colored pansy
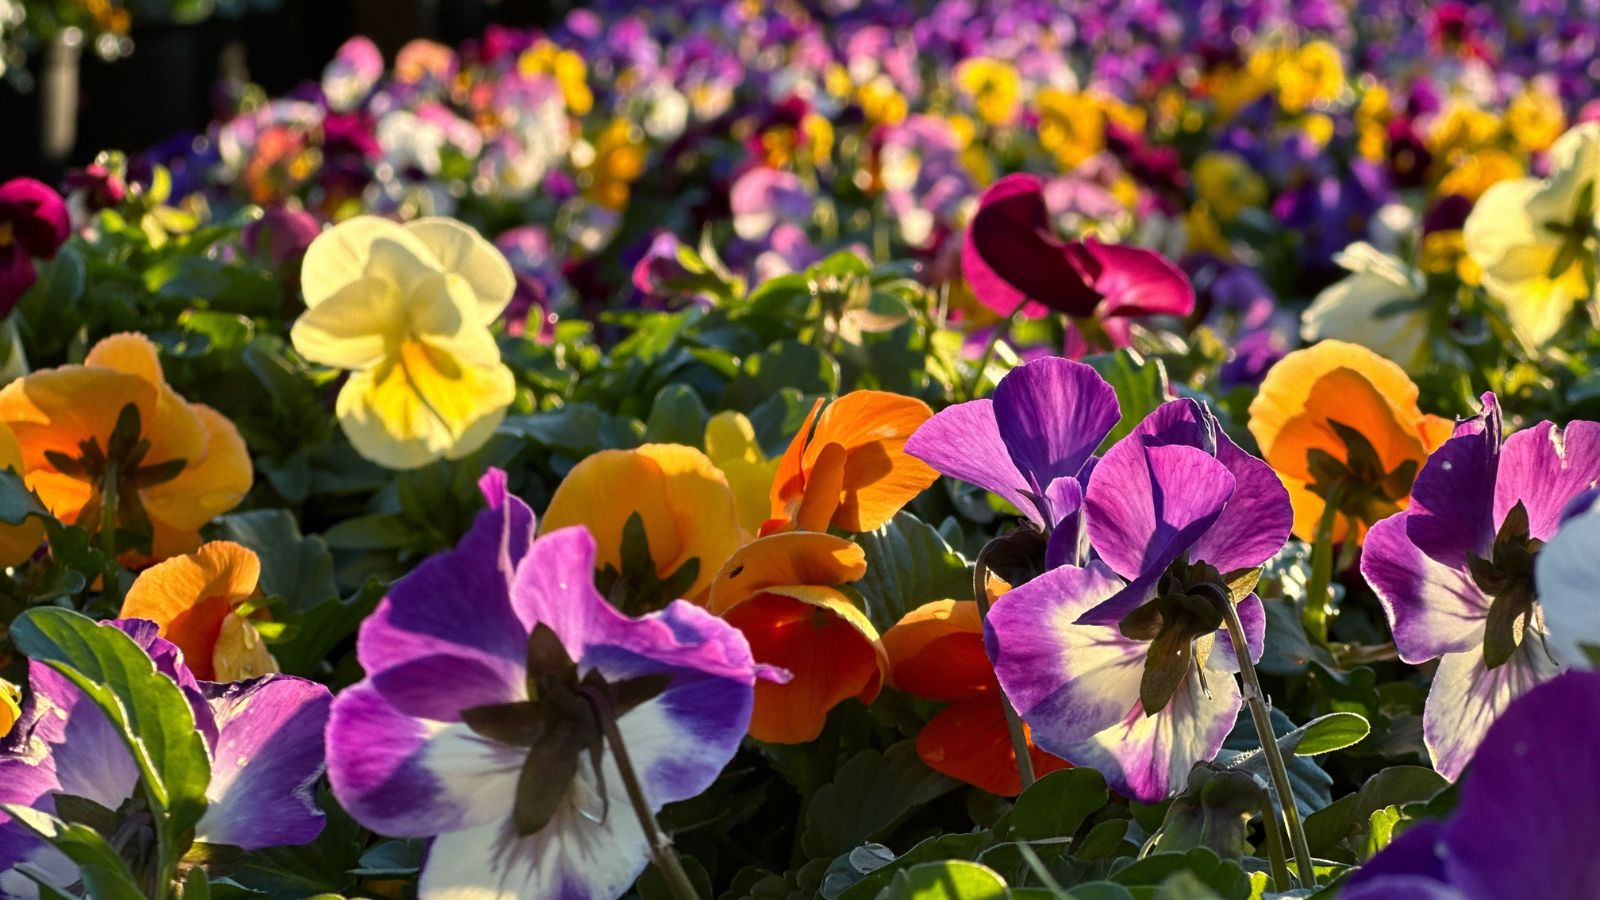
(407, 309)
(1378, 305)
(1535, 240)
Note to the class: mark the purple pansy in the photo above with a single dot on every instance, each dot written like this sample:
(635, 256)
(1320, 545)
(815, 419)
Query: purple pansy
(33, 225)
(453, 639)
(1454, 572)
(1525, 823)
(1173, 510)
(264, 738)
(1178, 489)
(1033, 443)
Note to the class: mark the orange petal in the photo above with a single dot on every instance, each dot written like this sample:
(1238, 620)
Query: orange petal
(209, 486)
(790, 558)
(57, 409)
(969, 741)
(683, 500)
(189, 597)
(1344, 396)
(827, 646)
(880, 477)
(1287, 385)
(936, 651)
(824, 489)
(788, 485)
(175, 432)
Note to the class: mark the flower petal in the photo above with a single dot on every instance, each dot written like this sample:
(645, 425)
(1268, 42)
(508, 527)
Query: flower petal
(355, 327)
(971, 742)
(341, 255)
(1432, 608)
(936, 651)
(266, 763)
(209, 485)
(793, 557)
(879, 476)
(1052, 415)
(963, 441)
(1149, 757)
(188, 597)
(420, 405)
(1544, 467)
(1467, 697)
(464, 254)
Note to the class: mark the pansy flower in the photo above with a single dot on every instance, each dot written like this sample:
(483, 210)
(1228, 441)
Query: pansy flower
(407, 309)
(1124, 665)
(1012, 258)
(195, 601)
(731, 446)
(10, 697)
(495, 672)
(936, 652)
(848, 467)
(1566, 572)
(1338, 420)
(785, 593)
(1534, 239)
(1524, 825)
(264, 738)
(33, 225)
(1455, 571)
(1033, 443)
(1380, 305)
(662, 517)
(17, 542)
(114, 421)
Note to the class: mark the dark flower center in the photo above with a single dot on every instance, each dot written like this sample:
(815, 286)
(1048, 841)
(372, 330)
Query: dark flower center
(1359, 484)
(1181, 625)
(116, 474)
(1506, 577)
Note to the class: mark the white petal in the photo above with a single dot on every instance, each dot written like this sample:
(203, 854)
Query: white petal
(1568, 576)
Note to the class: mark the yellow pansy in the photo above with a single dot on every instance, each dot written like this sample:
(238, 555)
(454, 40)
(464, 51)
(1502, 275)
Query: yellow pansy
(1372, 116)
(732, 446)
(1072, 126)
(1479, 171)
(407, 309)
(1312, 75)
(619, 158)
(1378, 305)
(881, 103)
(1232, 89)
(568, 70)
(1535, 118)
(1462, 128)
(994, 87)
(1228, 183)
(1532, 237)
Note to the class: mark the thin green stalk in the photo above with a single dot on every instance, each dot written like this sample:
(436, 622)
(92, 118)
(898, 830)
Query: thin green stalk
(1272, 824)
(1000, 332)
(1019, 738)
(661, 852)
(1262, 717)
(1319, 603)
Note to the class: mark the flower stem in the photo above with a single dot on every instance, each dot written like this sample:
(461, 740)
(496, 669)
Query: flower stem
(661, 852)
(1000, 332)
(1319, 602)
(1019, 738)
(1272, 825)
(1262, 716)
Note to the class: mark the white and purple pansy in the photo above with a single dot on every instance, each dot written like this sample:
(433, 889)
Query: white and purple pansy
(66, 757)
(472, 727)
(1126, 665)
(1455, 571)
(1033, 443)
(1566, 572)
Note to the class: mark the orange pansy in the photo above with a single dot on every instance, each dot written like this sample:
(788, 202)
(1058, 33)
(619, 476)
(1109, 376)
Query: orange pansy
(783, 592)
(195, 599)
(17, 542)
(850, 470)
(681, 498)
(1338, 412)
(10, 706)
(936, 652)
(184, 465)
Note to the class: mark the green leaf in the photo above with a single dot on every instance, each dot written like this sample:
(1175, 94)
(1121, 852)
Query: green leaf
(909, 564)
(947, 880)
(784, 364)
(105, 874)
(1141, 386)
(1336, 831)
(1057, 804)
(1214, 811)
(1242, 751)
(1380, 829)
(939, 847)
(294, 568)
(678, 416)
(146, 706)
(17, 503)
(1225, 877)
(871, 793)
(1324, 734)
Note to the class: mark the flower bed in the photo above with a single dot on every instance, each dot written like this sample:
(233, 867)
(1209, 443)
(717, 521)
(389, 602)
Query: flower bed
(756, 450)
